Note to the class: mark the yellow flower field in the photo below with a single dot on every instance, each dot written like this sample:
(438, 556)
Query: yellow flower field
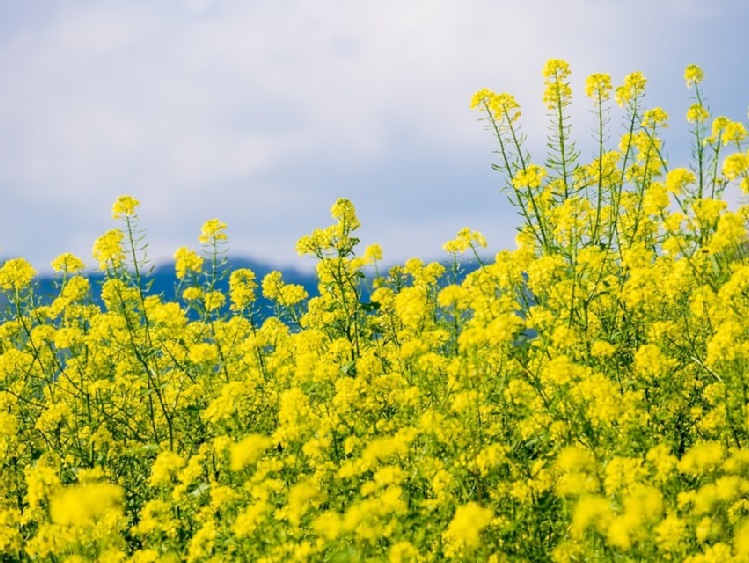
(580, 398)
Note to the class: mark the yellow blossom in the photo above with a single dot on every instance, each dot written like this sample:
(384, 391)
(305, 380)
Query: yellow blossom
(671, 533)
(108, 249)
(242, 287)
(531, 177)
(192, 293)
(697, 112)
(504, 107)
(702, 458)
(480, 97)
(403, 552)
(598, 86)
(589, 511)
(655, 117)
(68, 263)
(212, 232)
(632, 89)
(463, 533)
(693, 75)
(41, 481)
(373, 253)
(87, 503)
(677, 179)
(15, 274)
(214, 300)
(124, 207)
(186, 260)
(735, 165)
(466, 239)
(248, 451)
(164, 467)
(556, 73)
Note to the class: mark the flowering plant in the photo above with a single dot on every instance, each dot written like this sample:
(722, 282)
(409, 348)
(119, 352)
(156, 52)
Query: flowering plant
(580, 398)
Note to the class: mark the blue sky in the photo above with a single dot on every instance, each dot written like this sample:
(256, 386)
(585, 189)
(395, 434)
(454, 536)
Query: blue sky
(263, 113)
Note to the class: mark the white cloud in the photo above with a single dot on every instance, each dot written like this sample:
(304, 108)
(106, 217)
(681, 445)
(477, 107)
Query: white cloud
(264, 113)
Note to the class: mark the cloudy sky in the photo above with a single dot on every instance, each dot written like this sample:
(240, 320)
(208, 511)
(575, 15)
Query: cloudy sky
(263, 113)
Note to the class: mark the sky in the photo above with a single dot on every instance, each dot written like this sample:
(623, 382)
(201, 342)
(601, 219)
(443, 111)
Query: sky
(262, 114)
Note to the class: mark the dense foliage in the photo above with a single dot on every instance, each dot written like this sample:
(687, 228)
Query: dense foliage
(581, 398)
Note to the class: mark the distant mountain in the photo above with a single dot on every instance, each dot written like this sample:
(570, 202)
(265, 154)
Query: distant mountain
(163, 281)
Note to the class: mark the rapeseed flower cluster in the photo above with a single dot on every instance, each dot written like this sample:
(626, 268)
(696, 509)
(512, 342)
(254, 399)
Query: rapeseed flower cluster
(580, 398)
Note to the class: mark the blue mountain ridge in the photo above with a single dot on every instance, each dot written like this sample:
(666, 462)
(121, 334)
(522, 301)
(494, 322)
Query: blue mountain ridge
(162, 280)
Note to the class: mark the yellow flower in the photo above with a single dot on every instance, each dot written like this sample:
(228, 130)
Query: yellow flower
(643, 505)
(466, 239)
(651, 362)
(697, 112)
(291, 294)
(242, 287)
(677, 179)
(633, 88)
(11, 539)
(192, 293)
(411, 307)
(16, 274)
(622, 473)
(302, 496)
(81, 504)
(531, 177)
(463, 533)
(164, 467)
(329, 525)
(726, 131)
(598, 86)
(504, 108)
(655, 199)
(556, 67)
(403, 552)
(481, 97)
(602, 349)
(212, 232)
(145, 556)
(156, 515)
(373, 253)
(221, 496)
(108, 249)
(124, 207)
(343, 211)
(734, 132)
(68, 263)
(702, 458)
(41, 481)
(670, 533)
(707, 210)
(202, 542)
(557, 91)
(186, 260)
(203, 352)
(214, 300)
(250, 518)
(574, 458)
(655, 117)
(287, 295)
(693, 75)
(735, 165)
(53, 416)
(248, 450)
(382, 449)
(741, 539)
(591, 510)
(272, 284)
(663, 462)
